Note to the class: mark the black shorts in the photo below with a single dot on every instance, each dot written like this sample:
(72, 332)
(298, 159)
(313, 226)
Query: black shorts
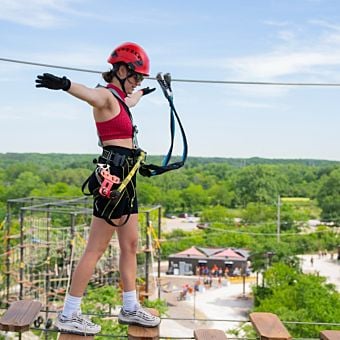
(121, 161)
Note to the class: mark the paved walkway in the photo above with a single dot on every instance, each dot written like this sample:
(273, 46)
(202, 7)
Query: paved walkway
(228, 302)
(324, 266)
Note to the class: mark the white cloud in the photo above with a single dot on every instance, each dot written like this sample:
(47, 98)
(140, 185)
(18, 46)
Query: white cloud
(325, 24)
(293, 55)
(286, 35)
(35, 13)
(81, 57)
(277, 64)
(248, 104)
(277, 23)
(76, 56)
(50, 111)
(53, 13)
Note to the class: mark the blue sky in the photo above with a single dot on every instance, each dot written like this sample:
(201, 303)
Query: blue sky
(246, 40)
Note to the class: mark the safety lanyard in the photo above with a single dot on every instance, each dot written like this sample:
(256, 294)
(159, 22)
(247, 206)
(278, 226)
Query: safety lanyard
(149, 170)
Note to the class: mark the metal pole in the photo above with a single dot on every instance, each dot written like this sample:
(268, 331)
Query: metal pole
(8, 251)
(47, 264)
(194, 304)
(72, 245)
(22, 264)
(278, 218)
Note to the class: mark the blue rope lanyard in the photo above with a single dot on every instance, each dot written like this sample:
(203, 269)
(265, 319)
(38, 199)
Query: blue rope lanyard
(149, 170)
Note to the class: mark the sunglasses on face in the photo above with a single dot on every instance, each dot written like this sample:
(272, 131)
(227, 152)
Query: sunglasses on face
(137, 77)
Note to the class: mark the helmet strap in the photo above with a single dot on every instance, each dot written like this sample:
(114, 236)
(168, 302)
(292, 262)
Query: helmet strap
(121, 81)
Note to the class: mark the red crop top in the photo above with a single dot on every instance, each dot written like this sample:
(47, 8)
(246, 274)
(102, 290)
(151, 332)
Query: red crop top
(118, 127)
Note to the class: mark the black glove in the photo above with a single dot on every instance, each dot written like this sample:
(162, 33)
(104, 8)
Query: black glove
(147, 90)
(52, 82)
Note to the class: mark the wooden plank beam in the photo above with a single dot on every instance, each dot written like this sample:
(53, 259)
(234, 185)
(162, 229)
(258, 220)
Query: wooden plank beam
(69, 336)
(20, 315)
(330, 335)
(209, 334)
(269, 327)
(144, 333)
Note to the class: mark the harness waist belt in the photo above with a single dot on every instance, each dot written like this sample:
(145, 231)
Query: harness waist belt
(116, 158)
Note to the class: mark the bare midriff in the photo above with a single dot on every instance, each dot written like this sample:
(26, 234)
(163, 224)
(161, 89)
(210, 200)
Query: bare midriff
(125, 143)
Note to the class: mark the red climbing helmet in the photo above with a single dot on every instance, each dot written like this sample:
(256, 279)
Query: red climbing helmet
(133, 55)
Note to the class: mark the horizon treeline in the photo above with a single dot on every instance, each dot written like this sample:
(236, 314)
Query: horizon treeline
(232, 183)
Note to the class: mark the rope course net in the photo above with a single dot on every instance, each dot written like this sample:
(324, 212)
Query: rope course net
(43, 241)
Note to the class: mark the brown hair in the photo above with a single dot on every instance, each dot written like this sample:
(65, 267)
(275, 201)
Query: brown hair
(108, 76)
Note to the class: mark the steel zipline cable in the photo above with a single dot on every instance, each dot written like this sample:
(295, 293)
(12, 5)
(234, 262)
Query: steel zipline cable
(201, 81)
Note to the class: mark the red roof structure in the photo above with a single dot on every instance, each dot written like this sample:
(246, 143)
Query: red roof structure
(190, 252)
(229, 253)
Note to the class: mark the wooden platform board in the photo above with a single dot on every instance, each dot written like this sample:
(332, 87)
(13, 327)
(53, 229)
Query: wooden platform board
(20, 315)
(143, 333)
(209, 334)
(269, 327)
(330, 335)
(69, 336)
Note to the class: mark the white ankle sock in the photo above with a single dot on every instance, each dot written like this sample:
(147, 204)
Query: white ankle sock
(72, 304)
(130, 301)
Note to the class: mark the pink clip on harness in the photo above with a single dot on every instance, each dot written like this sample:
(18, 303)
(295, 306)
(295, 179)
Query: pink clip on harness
(107, 183)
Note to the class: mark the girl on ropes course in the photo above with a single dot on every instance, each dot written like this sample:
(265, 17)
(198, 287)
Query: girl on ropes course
(112, 184)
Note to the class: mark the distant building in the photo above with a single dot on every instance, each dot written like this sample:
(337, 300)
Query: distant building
(191, 260)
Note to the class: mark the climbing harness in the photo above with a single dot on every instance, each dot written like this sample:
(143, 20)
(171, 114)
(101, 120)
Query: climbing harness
(111, 187)
(149, 170)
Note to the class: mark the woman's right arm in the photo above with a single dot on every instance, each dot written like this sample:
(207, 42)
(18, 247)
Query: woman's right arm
(97, 97)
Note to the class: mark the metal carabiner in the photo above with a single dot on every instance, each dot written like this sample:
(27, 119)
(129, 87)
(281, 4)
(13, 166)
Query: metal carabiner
(165, 84)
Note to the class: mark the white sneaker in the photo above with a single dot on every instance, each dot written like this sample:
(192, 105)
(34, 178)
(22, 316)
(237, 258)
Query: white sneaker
(140, 317)
(77, 324)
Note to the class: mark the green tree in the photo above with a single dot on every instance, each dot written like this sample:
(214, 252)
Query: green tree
(148, 194)
(258, 212)
(294, 296)
(221, 193)
(194, 197)
(172, 201)
(214, 214)
(328, 197)
(257, 183)
(23, 185)
(58, 189)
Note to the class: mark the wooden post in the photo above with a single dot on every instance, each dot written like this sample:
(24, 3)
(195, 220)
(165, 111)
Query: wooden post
(209, 334)
(269, 327)
(159, 229)
(330, 335)
(144, 333)
(20, 316)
